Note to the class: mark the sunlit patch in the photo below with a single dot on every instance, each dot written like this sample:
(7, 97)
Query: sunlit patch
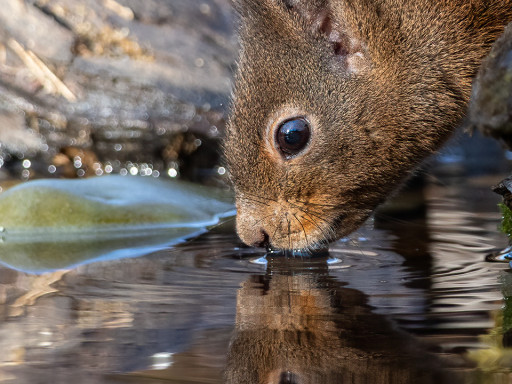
(332, 261)
(259, 260)
(162, 360)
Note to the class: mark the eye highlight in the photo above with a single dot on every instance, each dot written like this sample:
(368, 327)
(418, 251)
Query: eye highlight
(292, 136)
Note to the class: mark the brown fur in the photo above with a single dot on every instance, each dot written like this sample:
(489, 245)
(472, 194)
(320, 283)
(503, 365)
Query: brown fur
(321, 333)
(383, 83)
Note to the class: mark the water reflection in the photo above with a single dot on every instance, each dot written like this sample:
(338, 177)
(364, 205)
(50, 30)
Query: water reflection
(297, 324)
(409, 300)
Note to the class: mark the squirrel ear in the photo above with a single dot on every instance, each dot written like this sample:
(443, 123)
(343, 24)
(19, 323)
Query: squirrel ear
(316, 13)
(323, 20)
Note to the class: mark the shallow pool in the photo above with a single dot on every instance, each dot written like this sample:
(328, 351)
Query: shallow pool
(409, 298)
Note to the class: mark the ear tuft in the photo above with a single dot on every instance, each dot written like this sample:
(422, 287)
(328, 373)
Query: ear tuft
(322, 21)
(316, 16)
(314, 12)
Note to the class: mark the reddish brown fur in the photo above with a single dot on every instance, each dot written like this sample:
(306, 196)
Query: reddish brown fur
(321, 333)
(382, 92)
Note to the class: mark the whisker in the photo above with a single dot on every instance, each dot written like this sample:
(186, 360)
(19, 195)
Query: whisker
(314, 213)
(289, 234)
(263, 218)
(275, 230)
(322, 231)
(357, 246)
(317, 204)
(264, 198)
(253, 200)
(222, 221)
(395, 220)
(303, 229)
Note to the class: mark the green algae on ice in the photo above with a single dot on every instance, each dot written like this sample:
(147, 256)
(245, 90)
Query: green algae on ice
(51, 224)
(106, 203)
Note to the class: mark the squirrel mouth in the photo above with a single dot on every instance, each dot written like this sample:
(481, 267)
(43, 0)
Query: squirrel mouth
(281, 227)
(318, 250)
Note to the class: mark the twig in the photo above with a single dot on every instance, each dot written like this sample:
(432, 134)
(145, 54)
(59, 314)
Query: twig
(121, 10)
(40, 70)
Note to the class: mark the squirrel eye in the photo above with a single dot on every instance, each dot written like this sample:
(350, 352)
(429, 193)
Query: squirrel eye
(292, 136)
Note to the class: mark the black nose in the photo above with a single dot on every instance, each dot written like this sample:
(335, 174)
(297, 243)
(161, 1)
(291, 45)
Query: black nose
(263, 240)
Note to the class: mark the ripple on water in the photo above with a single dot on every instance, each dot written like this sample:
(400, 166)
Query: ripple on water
(189, 311)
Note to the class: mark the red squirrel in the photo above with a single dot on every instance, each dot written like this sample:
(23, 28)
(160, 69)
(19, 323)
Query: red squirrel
(336, 102)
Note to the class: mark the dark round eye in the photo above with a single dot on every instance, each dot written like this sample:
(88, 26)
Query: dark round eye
(292, 136)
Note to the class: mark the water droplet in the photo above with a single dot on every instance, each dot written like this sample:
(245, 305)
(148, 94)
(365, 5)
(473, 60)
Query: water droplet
(172, 172)
(123, 172)
(199, 62)
(133, 171)
(108, 168)
(197, 142)
(221, 170)
(118, 147)
(205, 9)
(52, 168)
(214, 131)
(26, 163)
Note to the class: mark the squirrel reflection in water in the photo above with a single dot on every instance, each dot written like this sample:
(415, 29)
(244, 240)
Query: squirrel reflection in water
(296, 324)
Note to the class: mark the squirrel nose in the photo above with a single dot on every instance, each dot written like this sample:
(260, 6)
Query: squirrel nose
(261, 239)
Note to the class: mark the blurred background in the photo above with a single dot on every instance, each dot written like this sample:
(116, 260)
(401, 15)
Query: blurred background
(104, 86)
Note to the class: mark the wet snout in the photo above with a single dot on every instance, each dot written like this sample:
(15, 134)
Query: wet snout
(280, 226)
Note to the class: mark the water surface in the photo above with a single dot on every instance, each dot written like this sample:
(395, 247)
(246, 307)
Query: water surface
(409, 298)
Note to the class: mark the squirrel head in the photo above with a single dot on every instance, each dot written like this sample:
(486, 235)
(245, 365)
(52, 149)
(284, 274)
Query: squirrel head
(332, 109)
